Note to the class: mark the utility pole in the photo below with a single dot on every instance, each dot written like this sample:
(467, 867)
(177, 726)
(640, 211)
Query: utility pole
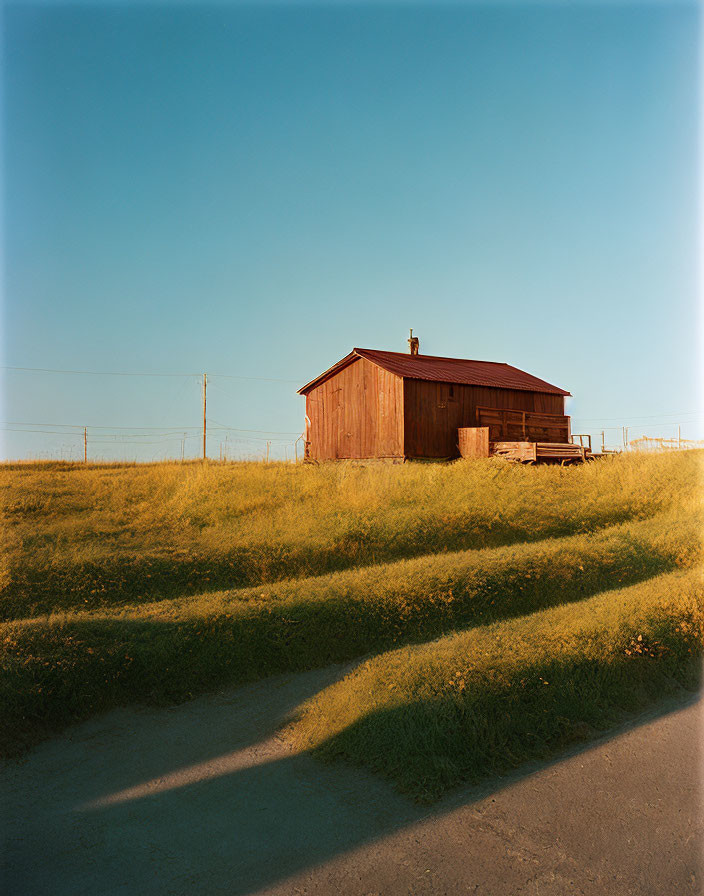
(85, 444)
(205, 386)
(679, 436)
(183, 446)
(268, 446)
(603, 442)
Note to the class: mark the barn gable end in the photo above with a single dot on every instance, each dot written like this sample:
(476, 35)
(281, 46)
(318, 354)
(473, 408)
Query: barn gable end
(356, 412)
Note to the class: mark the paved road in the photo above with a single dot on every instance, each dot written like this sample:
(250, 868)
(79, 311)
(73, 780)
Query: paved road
(204, 799)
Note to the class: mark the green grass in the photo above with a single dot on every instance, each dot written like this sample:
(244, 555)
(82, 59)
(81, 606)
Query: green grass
(486, 700)
(151, 584)
(122, 534)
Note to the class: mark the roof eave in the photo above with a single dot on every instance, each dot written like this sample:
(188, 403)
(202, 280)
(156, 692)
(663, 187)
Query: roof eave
(331, 371)
(553, 390)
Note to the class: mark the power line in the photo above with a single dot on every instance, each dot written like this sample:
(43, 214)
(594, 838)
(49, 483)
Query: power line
(104, 438)
(263, 379)
(642, 417)
(175, 434)
(639, 425)
(280, 432)
(127, 442)
(117, 441)
(174, 428)
(91, 372)
(100, 435)
(50, 432)
(119, 438)
(288, 441)
(229, 376)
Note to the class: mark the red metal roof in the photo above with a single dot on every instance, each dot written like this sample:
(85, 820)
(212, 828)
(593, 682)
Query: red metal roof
(443, 370)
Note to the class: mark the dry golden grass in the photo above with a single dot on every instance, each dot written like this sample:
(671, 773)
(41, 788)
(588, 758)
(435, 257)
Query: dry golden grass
(95, 536)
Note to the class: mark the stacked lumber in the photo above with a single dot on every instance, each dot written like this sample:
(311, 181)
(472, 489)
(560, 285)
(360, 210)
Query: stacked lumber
(531, 452)
(560, 451)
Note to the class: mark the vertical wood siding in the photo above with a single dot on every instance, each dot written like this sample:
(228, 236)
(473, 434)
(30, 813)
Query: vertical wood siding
(358, 413)
(433, 412)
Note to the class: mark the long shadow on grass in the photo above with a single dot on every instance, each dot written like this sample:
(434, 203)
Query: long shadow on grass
(61, 671)
(138, 579)
(219, 825)
(531, 713)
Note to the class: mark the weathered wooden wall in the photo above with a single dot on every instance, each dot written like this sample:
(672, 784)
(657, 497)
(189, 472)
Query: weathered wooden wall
(433, 412)
(357, 413)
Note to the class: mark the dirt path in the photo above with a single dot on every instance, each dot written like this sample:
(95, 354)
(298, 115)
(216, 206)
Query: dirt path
(203, 799)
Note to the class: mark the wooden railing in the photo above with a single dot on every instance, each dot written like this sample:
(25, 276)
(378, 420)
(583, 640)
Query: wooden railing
(583, 439)
(507, 425)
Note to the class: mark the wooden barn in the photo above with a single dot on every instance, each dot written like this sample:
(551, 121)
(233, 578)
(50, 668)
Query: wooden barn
(379, 404)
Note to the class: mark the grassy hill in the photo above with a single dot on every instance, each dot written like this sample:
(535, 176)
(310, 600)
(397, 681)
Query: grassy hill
(151, 583)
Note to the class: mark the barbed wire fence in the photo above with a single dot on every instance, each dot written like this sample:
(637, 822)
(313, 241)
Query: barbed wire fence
(100, 441)
(665, 432)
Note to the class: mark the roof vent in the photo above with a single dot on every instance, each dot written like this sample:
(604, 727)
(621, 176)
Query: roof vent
(413, 344)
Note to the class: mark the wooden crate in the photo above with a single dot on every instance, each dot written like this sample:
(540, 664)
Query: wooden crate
(473, 441)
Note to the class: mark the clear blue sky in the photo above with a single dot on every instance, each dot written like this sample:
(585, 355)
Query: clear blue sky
(254, 190)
